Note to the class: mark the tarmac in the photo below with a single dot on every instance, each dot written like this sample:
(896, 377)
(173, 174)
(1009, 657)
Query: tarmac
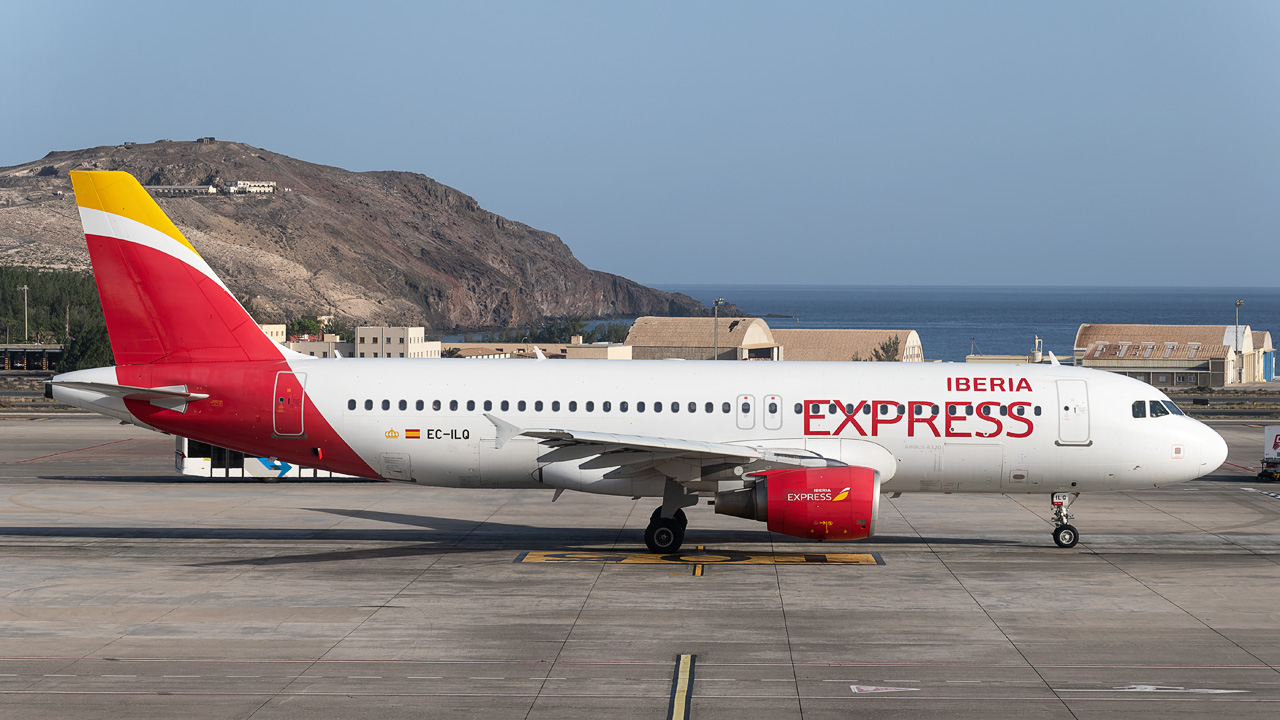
(127, 590)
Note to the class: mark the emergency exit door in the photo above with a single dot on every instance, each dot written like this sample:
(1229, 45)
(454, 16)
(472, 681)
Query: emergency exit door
(288, 404)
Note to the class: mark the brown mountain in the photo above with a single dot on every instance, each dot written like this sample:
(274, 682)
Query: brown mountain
(373, 247)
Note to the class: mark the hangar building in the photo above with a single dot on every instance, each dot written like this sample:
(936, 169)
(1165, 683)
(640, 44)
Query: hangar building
(1173, 356)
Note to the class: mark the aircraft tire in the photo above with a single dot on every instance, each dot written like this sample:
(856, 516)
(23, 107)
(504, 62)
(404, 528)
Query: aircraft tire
(663, 536)
(1066, 536)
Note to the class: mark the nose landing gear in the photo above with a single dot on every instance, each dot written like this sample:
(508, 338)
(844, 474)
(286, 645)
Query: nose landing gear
(1064, 534)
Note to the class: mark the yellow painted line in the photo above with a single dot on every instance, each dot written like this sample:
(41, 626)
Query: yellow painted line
(681, 688)
(702, 557)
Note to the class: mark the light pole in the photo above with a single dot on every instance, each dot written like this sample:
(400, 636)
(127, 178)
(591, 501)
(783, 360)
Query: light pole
(715, 328)
(23, 288)
(1239, 354)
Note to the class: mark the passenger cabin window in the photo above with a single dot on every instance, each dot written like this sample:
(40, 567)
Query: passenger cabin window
(1158, 409)
(404, 405)
(591, 406)
(1139, 408)
(675, 407)
(622, 406)
(537, 405)
(640, 406)
(693, 407)
(418, 405)
(471, 405)
(657, 407)
(368, 404)
(386, 404)
(725, 408)
(555, 406)
(521, 406)
(351, 404)
(488, 405)
(453, 404)
(606, 406)
(435, 405)
(573, 406)
(709, 408)
(506, 406)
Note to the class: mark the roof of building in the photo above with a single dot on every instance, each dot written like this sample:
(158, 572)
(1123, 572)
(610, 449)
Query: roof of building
(1160, 334)
(701, 332)
(840, 344)
(1139, 352)
(1262, 341)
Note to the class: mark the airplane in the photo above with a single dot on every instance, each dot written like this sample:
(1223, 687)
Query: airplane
(807, 448)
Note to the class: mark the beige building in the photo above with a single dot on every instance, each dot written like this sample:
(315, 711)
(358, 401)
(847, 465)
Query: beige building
(327, 347)
(656, 338)
(275, 332)
(394, 342)
(845, 345)
(574, 350)
(1172, 356)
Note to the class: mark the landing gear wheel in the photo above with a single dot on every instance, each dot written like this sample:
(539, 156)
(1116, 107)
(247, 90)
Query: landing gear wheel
(1065, 536)
(679, 517)
(664, 535)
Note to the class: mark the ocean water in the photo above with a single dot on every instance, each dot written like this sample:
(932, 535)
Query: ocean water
(996, 320)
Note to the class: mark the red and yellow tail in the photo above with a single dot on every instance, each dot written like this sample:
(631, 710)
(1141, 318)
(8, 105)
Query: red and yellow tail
(162, 301)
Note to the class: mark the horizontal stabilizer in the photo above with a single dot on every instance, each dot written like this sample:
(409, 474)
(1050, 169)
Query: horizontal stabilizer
(129, 392)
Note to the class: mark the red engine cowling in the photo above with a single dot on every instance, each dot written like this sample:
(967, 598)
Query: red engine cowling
(834, 503)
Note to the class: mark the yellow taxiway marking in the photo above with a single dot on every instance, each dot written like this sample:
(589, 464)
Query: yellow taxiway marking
(681, 688)
(701, 557)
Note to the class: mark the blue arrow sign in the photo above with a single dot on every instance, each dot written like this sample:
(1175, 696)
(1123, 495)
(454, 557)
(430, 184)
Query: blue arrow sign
(280, 466)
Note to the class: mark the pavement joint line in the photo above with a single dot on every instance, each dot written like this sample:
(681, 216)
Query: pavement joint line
(682, 688)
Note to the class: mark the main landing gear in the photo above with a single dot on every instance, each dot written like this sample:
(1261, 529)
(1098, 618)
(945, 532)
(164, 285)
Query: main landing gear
(665, 533)
(1064, 534)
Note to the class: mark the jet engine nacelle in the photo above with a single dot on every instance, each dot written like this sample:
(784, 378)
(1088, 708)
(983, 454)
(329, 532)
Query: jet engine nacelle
(833, 503)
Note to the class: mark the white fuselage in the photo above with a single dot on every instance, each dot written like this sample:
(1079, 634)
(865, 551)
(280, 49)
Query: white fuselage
(924, 427)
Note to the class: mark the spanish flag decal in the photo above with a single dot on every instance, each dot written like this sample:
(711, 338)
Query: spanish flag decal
(412, 434)
(841, 495)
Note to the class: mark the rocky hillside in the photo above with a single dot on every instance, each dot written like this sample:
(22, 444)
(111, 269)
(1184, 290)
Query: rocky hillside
(373, 247)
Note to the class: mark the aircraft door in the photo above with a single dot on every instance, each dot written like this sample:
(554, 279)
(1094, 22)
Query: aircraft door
(772, 412)
(745, 409)
(1073, 412)
(973, 467)
(288, 403)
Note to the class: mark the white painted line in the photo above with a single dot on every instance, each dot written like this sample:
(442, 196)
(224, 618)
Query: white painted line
(423, 677)
(776, 680)
(49, 675)
(117, 676)
(7, 675)
(244, 676)
(364, 677)
(487, 678)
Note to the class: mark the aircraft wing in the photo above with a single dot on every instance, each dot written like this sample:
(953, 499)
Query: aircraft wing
(635, 455)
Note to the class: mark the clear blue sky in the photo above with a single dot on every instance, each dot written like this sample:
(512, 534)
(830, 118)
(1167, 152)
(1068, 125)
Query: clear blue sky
(1070, 143)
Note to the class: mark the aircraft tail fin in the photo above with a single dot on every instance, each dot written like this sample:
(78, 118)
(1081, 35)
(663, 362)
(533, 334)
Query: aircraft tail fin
(162, 301)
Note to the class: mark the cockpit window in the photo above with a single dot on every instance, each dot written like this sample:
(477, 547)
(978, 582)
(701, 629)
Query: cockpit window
(1158, 409)
(1139, 408)
(1173, 408)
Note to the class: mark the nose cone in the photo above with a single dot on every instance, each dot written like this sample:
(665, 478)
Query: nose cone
(1213, 450)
